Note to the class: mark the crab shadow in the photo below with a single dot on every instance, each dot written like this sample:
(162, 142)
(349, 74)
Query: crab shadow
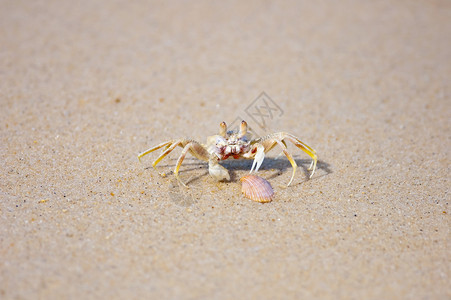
(278, 165)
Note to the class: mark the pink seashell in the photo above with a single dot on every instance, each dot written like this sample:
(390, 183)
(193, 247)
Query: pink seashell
(256, 188)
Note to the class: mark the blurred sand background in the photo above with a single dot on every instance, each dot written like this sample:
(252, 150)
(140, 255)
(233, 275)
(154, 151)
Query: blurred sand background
(85, 86)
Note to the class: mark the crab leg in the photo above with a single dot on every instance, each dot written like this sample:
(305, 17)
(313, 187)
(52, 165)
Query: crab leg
(290, 158)
(271, 143)
(165, 144)
(196, 149)
(165, 153)
(180, 160)
(279, 138)
(307, 149)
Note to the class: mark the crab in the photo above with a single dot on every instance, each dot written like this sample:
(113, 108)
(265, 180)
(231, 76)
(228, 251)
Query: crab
(234, 144)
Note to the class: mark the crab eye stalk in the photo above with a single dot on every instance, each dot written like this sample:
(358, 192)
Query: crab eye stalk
(243, 129)
(223, 129)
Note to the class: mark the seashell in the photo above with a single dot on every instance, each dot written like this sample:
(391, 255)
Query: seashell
(256, 188)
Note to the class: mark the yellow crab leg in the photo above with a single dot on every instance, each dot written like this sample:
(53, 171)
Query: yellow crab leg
(167, 144)
(163, 155)
(290, 158)
(304, 147)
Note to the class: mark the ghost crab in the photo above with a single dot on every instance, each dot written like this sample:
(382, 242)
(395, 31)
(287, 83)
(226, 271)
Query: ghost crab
(232, 144)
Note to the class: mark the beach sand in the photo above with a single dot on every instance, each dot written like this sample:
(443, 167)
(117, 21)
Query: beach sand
(85, 87)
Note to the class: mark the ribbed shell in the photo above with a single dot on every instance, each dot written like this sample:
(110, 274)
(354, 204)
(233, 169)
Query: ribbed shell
(256, 188)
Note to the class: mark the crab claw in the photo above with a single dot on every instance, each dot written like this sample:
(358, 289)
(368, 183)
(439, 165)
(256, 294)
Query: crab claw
(217, 171)
(259, 157)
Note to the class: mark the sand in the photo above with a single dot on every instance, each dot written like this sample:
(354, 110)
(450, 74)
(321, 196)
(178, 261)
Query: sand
(85, 87)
